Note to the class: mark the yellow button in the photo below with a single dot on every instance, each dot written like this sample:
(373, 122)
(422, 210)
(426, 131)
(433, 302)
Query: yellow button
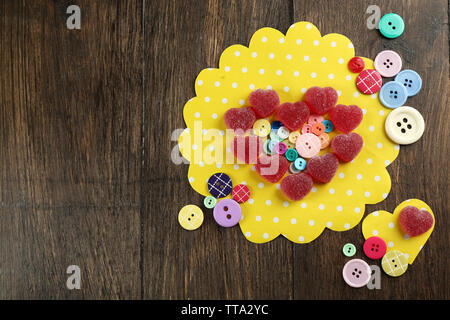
(293, 136)
(262, 128)
(394, 263)
(190, 217)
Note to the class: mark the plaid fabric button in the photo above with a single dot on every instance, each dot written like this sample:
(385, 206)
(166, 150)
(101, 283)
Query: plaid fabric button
(369, 81)
(220, 185)
(241, 193)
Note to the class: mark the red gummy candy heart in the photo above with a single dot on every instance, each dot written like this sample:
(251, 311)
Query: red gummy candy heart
(322, 169)
(264, 102)
(321, 100)
(272, 168)
(247, 149)
(346, 118)
(296, 186)
(293, 115)
(240, 118)
(414, 222)
(347, 146)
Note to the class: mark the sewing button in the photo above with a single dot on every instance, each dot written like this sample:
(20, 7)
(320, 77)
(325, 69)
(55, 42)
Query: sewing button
(388, 63)
(307, 128)
(271, 145)
(300, 164)
(369, 81)
(190, 217)
(280, 148)
(261, 128)
(266, 147)
(274, 135)
(356, 273)
(241, 193)
(404, 125)
(293, 169)
(227, 213)
(219, 185)
(393, 94)
(283, 132)
(308, 145)
(328, 126)
(349, 249)
(209, 202)
(291, 155)
(356, 65)
(394, 263)
(293, 136)
(374, 248)
(289, 144)
(314, 119)
(411, 80)
(391, 25)
(318, 128)
(276, 125)
(324, 141)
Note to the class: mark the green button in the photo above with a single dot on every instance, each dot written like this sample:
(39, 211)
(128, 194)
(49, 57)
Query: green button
(210, 202)
(291, 155)
(349, 249)
(391, 25)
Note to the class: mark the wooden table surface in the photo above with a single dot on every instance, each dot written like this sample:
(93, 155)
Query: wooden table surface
(86, 179)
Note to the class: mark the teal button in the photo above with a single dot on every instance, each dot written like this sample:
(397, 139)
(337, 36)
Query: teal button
(349, 249)
(291, 155)
(328, 126)
(300, 164)
(391, 25)
(210, 202)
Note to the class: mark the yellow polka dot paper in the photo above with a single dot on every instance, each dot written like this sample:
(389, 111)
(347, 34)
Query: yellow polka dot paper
(289, 64)
(386, 226)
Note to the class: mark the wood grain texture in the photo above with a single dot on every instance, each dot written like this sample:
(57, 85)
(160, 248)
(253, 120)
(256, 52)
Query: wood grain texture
(70, 149)
(86, 119)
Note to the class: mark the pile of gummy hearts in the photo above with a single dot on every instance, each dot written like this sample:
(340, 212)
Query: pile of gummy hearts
(296, 136)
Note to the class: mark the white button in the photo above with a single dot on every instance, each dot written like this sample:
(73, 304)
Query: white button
(404, 125)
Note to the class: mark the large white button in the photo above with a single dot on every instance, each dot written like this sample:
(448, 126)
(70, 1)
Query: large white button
(404, 125)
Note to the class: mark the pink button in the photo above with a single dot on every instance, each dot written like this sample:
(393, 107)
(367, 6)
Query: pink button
(307, 128)
(356, 273)
(280, 148)
(374, 248)
(308, 145)
(369, 81)
(227, 213)
(388, 63)
(314, 119)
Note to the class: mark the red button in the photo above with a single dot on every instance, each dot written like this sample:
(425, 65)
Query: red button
(241, 193)
(374, 248)
(356, 65)
(369, 81)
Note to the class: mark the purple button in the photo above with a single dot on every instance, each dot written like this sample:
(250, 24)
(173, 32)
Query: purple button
(220, 185)
(227, 213)
(280, 148)
(356, 273)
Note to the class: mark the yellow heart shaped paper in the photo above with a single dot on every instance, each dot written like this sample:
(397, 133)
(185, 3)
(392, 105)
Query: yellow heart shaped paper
(385, 225)
(289, 64)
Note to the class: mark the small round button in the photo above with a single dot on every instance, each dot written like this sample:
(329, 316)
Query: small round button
(369, 81)
(300, 164)
(266, 147)
(274, 135)
(283, 132)
(349, 249)
(411, 80)
(261, 128)
(293, 136)
(291, 155)
(280, 148)
(241, 193)
(271, 145)
(356, 273)
(210, 202)
(328, 125)
(293, 169)
(356, 65)
(289, 144)
(324, 141)
(308, 145)
(394, 263)
(393, 94)
(227, 213)
(391, 25)
(374, 248)
(404, 125)
(314, 119)
(220, 185)
(307, 128)
(388, 63)
(318, 128)
(190, 217)
(276, 125)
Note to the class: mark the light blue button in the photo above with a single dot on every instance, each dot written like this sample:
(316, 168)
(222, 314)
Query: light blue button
(266, 147)
(271, 145)
(411, 80)
(328, 125)
(274, 135)
(300, 164)
(393, 94)
(276, 125)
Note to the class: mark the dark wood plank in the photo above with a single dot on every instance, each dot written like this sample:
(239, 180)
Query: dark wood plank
(421, 169)
(211, 263)
(71, 117)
